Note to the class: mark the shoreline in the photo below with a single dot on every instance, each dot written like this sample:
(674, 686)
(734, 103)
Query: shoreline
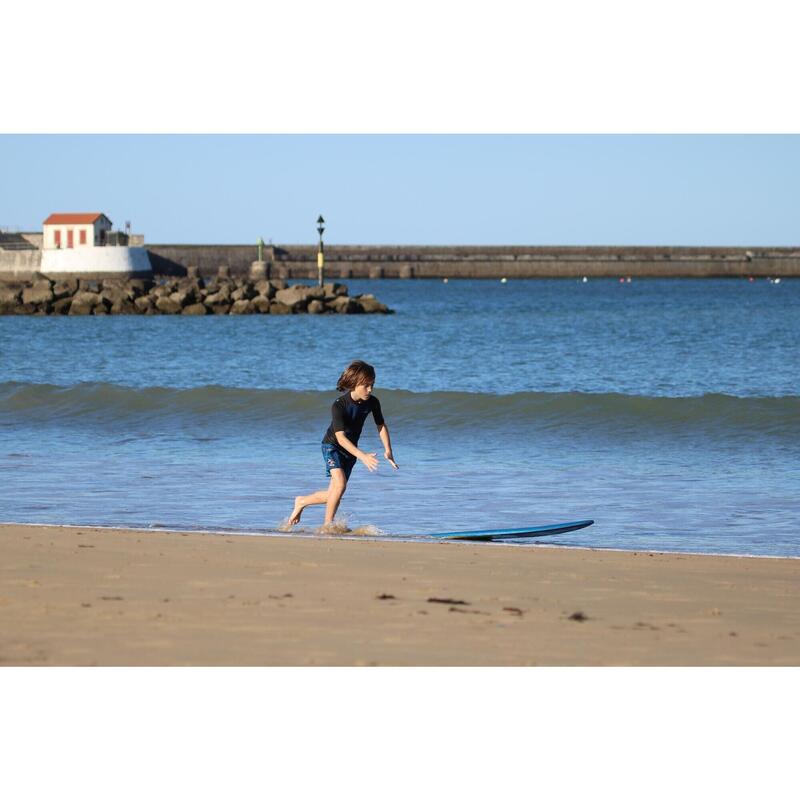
(97, 596)
(302, 533)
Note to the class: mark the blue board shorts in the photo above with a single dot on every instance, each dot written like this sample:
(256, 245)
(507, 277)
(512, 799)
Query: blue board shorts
(336, 459)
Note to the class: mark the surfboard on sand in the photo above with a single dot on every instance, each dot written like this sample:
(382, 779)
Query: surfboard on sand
(515, 533)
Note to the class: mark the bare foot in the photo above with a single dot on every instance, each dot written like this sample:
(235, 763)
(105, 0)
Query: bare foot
(294, 518)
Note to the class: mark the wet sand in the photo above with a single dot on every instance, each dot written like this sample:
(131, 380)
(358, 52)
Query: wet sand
(81, 596)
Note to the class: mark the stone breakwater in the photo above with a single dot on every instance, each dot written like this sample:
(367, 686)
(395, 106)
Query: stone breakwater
(189, 296)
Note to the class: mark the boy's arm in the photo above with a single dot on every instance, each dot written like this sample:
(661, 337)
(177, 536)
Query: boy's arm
(369, 459)
(383, 432)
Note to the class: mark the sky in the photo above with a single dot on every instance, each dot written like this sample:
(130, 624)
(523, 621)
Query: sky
(725, 190)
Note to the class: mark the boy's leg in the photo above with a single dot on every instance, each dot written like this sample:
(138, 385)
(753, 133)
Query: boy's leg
(335, 492)
(301, 501)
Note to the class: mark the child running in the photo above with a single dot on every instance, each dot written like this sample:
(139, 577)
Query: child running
(340, 443)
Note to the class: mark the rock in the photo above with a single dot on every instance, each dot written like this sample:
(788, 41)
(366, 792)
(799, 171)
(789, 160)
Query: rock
(195, 310)
(184, 298)
(100, 310)
(139, 286)
(220, 308)
(344, 305)
(9, 295)
(224, 271)
(144, 303)
(334, 289)
(299, 296)
(371, 305)
(265, 289)
(222, 296)
(114, 294)
(160, 291)
(260, 304)
(62, 305)
(123, 306)
(279, 308)
(90, 286)
(241, 307)
(316, 307)
(65, 288)
(166, 305)
(38, 294)
(80, 307)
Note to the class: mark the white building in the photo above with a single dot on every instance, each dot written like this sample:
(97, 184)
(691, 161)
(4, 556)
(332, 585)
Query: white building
(84, 245)
(75, 230)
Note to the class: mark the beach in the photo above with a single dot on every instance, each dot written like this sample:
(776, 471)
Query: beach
(94, 596)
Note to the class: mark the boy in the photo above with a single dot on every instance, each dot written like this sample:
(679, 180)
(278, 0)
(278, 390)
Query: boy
(340, 443)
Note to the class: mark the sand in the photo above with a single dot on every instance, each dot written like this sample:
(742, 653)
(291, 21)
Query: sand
(89, 596)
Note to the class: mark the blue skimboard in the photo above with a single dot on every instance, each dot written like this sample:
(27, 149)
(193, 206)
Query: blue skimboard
(515, 533)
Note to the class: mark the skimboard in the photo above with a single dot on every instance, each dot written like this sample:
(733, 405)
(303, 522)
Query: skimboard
(515, 533)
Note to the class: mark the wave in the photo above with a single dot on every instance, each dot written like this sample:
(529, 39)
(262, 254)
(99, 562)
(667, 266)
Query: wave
(22, 403)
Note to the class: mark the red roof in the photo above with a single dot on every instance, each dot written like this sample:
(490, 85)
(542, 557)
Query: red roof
(73, 219)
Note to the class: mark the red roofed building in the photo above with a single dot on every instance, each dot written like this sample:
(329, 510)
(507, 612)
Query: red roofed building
(66, 231)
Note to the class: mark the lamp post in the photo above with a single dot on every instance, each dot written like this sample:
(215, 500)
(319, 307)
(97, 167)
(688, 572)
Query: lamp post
(321, 251)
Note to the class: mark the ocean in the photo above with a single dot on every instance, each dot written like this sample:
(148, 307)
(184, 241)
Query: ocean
(666, 410)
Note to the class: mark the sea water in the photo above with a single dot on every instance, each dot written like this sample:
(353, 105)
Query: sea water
(666, 410)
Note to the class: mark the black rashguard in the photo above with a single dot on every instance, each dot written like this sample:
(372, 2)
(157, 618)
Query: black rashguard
(349, 415)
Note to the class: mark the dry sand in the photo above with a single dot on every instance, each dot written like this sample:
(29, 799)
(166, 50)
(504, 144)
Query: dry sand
(75, 596)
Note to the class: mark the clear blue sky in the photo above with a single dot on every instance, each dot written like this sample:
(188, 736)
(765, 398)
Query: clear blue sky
(403, 189)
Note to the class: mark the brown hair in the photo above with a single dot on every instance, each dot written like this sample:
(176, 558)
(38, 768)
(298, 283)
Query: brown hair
(358, 372)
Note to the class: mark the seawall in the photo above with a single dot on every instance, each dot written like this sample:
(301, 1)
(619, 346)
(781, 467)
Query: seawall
(409, 261)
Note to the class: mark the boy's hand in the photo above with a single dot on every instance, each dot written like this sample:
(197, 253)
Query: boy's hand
(370, 461)
(390, 458)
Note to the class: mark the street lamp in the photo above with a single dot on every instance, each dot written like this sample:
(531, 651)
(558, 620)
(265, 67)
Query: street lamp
(321, 251)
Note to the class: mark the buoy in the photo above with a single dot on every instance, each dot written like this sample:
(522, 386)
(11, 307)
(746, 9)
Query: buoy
(503, 280)
(444, 280)
(777, 280)
(585, 279)
(628, 281)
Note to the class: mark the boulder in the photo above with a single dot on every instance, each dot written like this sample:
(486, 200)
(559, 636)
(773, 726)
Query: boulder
(184, 298)
(371, 305)
(83, 302)
(136, 287)
(195, 310)
(278, 284)
(65, 288)
(160, 291)
(316, 307)
(260, 304)
(265, 289)
(85, 285)
(114, 294)
(222, 296)
(144, 303)
(100, 310)
(38, 294)
(123, 306)
(334, 289)
(219, 308)
(241, 307)
(166, 305)
(279, 308)
(344, 305)
(62, 305)
(9, 295)
(298, 297)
